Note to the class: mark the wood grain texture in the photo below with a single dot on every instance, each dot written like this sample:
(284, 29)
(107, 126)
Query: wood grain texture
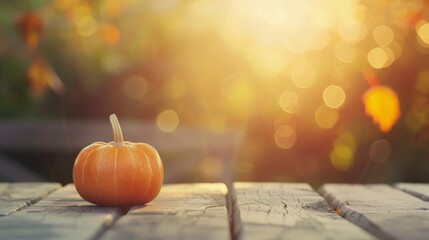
(181, 211)
(61, 215)
(385, 212)
(420, 190)
(289, 211)
(17, 196)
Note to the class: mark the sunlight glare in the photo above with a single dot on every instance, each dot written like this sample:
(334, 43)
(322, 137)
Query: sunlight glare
(285, 137)
(326, 117)
(380, 57)
(351, 31)
(167, 120)
(86, 26)
(383, 35)
(345, 52)
(343, 151)
(422, 30)
(334, 96)
(303, 75)
(288, 101)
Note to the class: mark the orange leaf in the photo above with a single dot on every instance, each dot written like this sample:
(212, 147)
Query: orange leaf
(41, 76)
(382, 104)
(30, 27)
(110, 34)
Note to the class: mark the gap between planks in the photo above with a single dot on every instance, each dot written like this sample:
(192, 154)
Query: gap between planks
(234, 219)
(315, 205)
(382, 210)
(15, 197)
(244, 223)
(62, 214)
(56, 215)
(65, 201)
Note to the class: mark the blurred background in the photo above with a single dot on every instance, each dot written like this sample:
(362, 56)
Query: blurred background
(298, 91)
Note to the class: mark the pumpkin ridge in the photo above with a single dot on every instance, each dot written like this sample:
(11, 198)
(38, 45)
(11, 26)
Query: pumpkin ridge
(115, 180)
(158, 164)
(134, 165)
(100, 157)
(85, 160)
(149, 167)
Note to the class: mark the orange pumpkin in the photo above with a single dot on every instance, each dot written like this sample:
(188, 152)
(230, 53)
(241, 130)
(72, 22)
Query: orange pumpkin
(118, 173)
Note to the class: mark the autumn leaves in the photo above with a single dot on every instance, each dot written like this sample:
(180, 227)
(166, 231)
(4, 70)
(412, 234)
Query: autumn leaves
(30, 27)
(381, 103)
(40, 74)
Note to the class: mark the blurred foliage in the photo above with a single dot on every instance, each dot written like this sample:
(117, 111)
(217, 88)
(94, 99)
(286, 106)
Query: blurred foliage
(292, 74)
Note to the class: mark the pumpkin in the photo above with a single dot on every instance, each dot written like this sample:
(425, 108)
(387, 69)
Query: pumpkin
(118, 173)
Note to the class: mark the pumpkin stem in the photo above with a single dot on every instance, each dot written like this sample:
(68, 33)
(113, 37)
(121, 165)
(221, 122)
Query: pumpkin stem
(117, 131)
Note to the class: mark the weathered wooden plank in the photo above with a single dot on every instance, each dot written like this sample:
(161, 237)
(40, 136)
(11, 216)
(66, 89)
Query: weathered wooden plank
(294, 211)
(17, 196)
(385, 212)
(420, 190)
(61, 215)
(181, 211)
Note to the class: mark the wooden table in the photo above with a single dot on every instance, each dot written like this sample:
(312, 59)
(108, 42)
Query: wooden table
(215, 211)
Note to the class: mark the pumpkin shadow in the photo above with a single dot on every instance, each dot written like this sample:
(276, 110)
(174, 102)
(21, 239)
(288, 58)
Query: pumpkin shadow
(93, 208)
